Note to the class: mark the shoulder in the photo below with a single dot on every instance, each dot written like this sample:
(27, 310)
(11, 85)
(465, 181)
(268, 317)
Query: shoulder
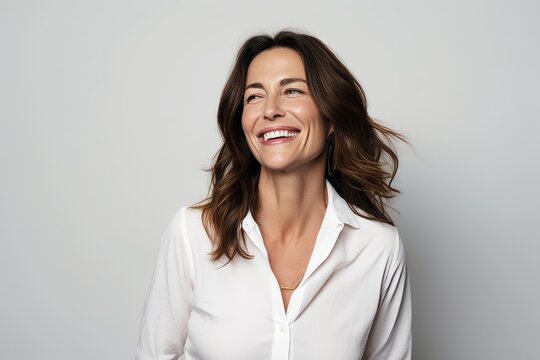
(192, 218)
(187, 224)
(183, 223)
(185, 216)
(381, 236)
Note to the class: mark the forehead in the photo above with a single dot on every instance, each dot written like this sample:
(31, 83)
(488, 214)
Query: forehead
(276, 63)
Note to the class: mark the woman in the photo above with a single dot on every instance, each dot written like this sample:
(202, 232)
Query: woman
(293, 255)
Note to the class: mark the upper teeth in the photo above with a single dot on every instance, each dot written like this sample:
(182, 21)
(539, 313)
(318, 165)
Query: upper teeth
(279, 133)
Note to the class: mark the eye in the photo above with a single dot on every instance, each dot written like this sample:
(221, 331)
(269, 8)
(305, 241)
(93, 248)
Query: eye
(251, 97)
(294, 91)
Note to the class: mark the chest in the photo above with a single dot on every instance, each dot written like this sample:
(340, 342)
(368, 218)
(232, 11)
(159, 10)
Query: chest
(241, 314)
(289, 264)
(237, 309)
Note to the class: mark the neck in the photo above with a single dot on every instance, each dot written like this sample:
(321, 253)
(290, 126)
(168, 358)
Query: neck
(291, 204)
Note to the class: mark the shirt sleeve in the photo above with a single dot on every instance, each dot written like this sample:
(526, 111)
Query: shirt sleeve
(390, 335)
(163, 329)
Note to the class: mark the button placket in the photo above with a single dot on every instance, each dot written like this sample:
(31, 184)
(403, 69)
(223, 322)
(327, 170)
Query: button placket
(281, 343)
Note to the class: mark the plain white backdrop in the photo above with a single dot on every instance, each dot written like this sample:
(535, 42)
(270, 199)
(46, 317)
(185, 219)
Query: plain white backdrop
(108, 117)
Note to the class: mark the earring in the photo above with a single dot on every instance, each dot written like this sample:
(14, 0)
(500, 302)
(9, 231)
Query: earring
(330, 154)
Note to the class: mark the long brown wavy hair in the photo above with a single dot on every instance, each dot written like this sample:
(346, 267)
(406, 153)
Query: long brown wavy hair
(363, 155)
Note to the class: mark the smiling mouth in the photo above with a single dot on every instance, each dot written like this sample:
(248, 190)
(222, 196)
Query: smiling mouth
(278, 134)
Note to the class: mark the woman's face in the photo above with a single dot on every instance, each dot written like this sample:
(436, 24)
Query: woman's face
(281, 122)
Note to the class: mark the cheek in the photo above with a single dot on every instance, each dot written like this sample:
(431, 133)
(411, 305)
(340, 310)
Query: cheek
(305, 110)
(247, 120)
(312, 119)
(245, 125)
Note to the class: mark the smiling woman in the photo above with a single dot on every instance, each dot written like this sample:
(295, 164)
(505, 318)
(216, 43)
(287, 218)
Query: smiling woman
(293, 255)
(279, 109)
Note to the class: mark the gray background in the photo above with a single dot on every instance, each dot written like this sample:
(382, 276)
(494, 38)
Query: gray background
(107, 115)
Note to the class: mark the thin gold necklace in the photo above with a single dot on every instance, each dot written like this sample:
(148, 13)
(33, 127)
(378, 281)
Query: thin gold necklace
(283, 287)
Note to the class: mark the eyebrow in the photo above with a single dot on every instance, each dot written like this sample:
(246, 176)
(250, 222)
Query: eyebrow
(283, 82)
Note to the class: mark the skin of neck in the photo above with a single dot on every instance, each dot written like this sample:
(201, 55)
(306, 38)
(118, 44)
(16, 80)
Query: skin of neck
(292, 203)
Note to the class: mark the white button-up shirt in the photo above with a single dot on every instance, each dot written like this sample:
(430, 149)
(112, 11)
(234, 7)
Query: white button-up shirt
(353, 302)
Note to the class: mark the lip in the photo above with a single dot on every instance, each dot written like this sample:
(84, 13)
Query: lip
(275, 128)
(276, 141)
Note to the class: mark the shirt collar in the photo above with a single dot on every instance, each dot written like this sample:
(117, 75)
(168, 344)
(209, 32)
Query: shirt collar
(337, 207)
(340, 207)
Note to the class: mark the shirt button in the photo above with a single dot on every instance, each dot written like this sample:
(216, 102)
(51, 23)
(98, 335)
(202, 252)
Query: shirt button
(283, 328)
(340, 225)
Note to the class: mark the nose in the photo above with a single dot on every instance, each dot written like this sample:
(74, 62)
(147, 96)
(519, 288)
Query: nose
(272, 109)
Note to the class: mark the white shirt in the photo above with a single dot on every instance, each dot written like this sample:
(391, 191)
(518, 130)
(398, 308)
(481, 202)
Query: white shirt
(353, 302)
